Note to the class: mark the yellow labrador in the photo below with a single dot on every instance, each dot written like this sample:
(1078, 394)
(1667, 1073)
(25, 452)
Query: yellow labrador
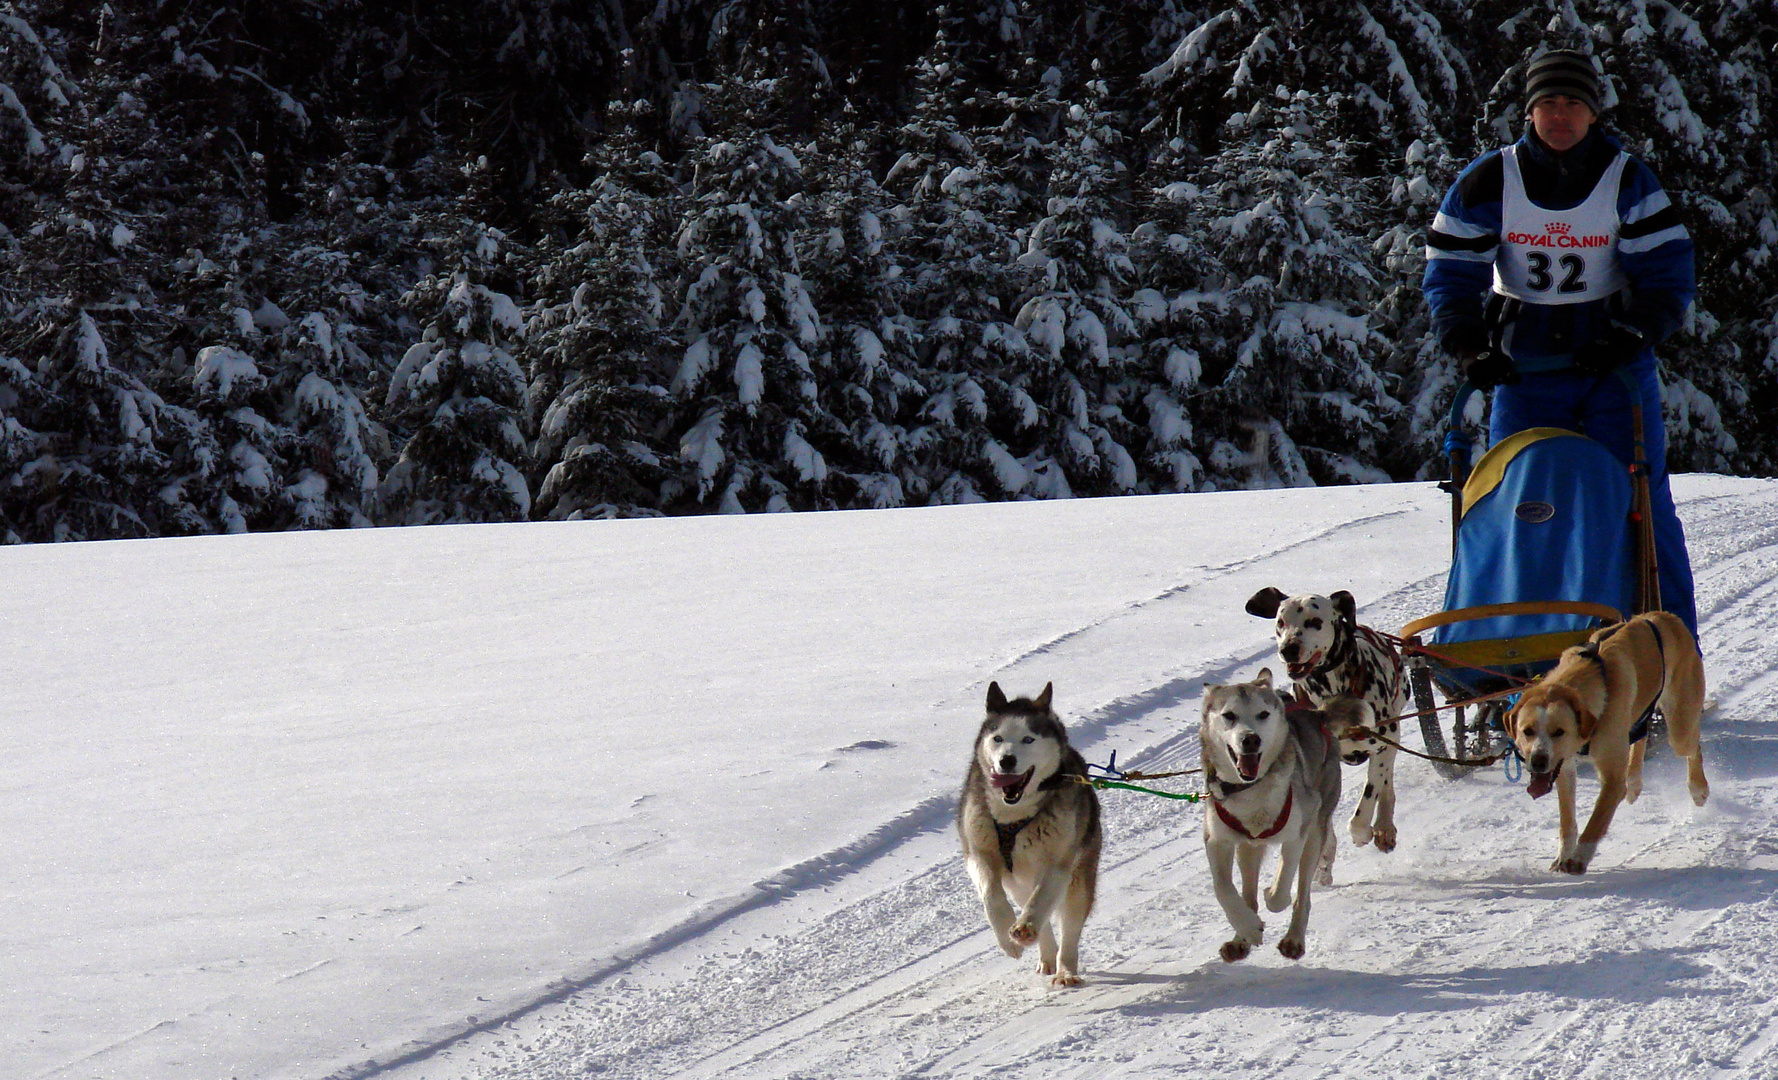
(1588, 705)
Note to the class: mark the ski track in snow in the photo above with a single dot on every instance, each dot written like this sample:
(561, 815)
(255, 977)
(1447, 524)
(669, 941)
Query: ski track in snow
(1457, 955)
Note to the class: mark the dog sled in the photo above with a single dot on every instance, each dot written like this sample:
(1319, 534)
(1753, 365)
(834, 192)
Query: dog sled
(1551, 539)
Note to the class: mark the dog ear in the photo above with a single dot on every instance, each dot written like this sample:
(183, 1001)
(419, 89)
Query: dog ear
(1043, 699)
(1346, 606)
(996, 699)
(1510, 721)
(1264, 603)
(1264, 678)
(1584, 717)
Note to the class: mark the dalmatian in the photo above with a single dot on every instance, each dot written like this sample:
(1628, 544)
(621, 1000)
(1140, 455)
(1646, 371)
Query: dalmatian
(1327, 654)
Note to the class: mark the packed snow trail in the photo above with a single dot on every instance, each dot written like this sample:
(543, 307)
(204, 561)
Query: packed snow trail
(1459, 954)
(289, 805)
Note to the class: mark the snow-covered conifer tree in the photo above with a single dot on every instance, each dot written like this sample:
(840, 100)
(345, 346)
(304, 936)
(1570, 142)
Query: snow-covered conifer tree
(1287, 351)
(82, 440)
(866, 366)
(1086, 371)
(952, 229)
(599, 352)
(746, 388)
(461, 389)
(727, 254)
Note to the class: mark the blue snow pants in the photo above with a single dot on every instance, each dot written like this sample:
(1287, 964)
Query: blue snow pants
(1600, 408)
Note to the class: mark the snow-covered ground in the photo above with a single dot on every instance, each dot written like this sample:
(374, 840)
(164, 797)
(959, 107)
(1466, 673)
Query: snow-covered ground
(672, 799)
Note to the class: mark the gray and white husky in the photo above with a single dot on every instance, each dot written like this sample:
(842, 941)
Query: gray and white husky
(1272, 775)
(1030, 831)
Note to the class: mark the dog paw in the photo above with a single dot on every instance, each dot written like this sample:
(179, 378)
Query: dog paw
(1011, 948)
(1277, 901)
(1384, 839)
(1324, 877)
(1361, 834)
(1066, 978)
(1235, 950)
(1569, 865)
(1023, 933)
(1291, 948)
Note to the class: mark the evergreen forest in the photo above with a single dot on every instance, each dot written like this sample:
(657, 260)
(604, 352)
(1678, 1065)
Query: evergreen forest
(330, 263)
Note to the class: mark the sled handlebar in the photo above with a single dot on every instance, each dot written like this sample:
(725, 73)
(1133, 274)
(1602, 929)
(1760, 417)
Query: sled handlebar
(1459, 401)
(1457, 446)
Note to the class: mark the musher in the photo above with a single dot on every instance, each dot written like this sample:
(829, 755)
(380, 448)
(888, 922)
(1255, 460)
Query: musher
(1554, 267)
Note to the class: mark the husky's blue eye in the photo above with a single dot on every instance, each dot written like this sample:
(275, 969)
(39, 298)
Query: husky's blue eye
(997, 738)
(1028, 739)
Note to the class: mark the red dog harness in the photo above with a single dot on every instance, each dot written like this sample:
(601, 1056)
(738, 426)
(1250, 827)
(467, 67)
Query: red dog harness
(1301, 704)
(1235, 823)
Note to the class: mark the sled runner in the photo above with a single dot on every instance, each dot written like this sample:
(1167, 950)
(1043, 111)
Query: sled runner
(1549, 543)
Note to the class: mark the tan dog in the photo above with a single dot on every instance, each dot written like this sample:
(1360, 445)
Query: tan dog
(1588, 706)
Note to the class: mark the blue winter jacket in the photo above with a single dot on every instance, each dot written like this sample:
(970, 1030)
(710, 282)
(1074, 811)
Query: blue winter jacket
(1653, 247)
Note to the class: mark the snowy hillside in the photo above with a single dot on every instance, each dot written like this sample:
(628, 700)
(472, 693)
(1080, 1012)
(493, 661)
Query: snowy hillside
(672, 798)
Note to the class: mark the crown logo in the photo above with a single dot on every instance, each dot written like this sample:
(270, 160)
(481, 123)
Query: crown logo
(1560, 228)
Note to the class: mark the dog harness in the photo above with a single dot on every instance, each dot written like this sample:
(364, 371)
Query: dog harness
(1638, 730)
(1007, 832)
(1300, 703)
(1234, 822)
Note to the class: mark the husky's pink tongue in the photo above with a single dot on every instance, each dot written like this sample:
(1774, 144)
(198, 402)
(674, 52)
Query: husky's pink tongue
(1540, 785)
(1247, 765)
(1006, 780)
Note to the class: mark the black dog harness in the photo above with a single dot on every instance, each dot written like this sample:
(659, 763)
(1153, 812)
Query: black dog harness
(1638, 730)
(1007, 832)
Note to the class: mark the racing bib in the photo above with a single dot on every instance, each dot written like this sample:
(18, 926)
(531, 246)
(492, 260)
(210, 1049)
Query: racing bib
(1558, 256)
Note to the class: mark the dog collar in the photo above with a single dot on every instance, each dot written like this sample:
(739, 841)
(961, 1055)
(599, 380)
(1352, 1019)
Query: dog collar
(1234, 822)
(1231, 789)
(1345, 643)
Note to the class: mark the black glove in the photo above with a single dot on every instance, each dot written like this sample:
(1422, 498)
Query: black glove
(1614, 348)
(1466, 340)
(1489, 368)
(1483, 365)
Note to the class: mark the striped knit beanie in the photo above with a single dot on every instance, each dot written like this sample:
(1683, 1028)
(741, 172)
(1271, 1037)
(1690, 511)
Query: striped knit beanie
(1565, 72)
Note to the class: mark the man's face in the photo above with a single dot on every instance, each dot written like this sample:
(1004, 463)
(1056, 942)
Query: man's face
(1561, 121)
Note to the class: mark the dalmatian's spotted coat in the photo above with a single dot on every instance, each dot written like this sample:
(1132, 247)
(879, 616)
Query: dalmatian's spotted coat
(1328, 655)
